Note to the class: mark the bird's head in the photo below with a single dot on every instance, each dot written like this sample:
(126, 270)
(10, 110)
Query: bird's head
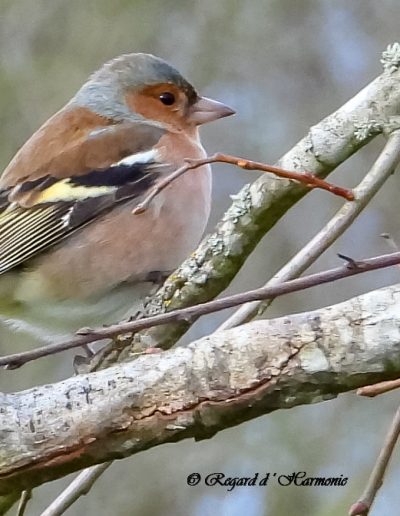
(142, 86)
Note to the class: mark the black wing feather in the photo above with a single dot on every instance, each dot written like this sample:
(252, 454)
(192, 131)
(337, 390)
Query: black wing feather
(25, 232)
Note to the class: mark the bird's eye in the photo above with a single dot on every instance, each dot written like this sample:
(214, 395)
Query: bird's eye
(167, 98)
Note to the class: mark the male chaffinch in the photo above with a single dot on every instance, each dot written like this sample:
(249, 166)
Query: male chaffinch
(68, 238)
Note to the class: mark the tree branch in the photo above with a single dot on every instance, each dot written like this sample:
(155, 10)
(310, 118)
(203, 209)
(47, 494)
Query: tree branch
(375, 481)
(87, 335)
(81, 485)
(195, 391)
(305, 178)
(376, 389)
(23, 502)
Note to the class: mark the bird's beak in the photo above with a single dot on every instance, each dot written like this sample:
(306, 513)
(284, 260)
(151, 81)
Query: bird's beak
(207, 110)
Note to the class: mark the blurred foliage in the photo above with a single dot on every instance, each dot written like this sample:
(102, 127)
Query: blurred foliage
(283, 65)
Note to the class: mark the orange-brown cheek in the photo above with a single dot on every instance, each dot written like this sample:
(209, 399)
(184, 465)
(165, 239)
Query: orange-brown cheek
(152, 109)
(142, 105)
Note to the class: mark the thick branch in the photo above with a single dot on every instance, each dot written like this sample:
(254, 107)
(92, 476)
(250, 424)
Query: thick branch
(195, 391)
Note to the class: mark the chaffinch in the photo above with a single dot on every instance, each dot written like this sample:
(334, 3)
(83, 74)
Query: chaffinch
(68, 237)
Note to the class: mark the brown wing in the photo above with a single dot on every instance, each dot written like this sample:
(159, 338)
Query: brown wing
(75, 141)
(40, 207)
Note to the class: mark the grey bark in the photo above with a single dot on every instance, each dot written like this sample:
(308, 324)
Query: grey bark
(195, 391)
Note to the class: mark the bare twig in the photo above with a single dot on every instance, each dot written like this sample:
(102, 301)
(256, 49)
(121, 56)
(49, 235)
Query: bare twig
(192, 312)
(371, 391)
(84, 481)
(364, 192)
(306, 178)
(23, 502)
(363, 505)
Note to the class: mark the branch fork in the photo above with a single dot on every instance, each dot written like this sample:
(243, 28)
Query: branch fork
(306, 178)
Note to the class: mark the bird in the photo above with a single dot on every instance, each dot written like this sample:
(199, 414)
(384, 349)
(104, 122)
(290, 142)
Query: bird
(71, 250)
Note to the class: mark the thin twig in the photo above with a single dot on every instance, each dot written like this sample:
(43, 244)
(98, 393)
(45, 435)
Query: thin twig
(376, 389)
(363, 505)
(192, 312)
(364, 192)
(84, 481)
(306, 178)
(23, 502)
